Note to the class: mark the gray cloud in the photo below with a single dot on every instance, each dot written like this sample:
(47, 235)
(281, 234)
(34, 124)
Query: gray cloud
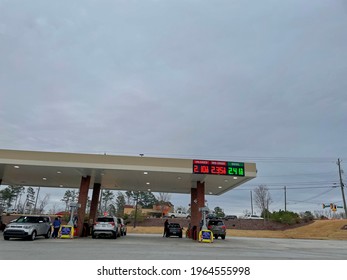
(177, 78)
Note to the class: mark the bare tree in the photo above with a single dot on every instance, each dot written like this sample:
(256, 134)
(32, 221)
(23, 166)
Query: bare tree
(163, 199)
(43, 203)
(55, 208)
(246, 212)
(262, 198)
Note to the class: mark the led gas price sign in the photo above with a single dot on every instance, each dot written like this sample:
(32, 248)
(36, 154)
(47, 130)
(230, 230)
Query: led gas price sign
(218, 167)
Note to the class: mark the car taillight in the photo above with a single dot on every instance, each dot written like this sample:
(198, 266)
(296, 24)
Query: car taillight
(209, 227)
(223, 227)
(112, 223)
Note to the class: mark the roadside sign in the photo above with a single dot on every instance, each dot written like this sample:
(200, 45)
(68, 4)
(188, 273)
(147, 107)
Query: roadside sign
(206, 236)
(66, 231)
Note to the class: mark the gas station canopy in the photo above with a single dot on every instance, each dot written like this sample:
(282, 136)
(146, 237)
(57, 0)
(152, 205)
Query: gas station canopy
(170, 175)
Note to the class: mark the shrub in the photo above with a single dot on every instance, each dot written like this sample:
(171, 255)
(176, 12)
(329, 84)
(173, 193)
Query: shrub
(285, 217)
(307, 216)
(139, 216)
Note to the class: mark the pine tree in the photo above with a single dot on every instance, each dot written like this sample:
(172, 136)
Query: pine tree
(120, 203)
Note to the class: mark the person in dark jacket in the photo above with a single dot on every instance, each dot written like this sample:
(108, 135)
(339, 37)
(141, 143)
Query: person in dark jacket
(166, 227)
(56, 227)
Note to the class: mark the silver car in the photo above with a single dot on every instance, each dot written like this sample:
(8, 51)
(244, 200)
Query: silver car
(106, 226)
(28, 227)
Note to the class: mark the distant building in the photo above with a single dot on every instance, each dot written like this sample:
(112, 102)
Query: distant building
(157, 210)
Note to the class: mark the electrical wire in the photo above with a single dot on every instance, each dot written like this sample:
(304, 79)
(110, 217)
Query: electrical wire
(313, 197)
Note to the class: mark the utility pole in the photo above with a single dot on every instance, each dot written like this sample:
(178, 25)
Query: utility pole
(37, 196)
(251, 204)
(285, 199)
(100, 200)
(341, 185)
(135, 218)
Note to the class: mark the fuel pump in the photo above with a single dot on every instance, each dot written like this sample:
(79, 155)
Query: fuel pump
(73, 218)
(68, 231)
(205, 235)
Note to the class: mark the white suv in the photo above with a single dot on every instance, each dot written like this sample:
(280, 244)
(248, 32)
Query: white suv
(253, 217)
(28, 227)
(106, 226)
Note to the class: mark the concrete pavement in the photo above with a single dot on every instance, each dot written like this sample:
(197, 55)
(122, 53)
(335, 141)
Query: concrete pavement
(154, 246)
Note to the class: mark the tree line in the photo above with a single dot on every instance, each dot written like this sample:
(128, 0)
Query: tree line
(23, 199)
(114, 203)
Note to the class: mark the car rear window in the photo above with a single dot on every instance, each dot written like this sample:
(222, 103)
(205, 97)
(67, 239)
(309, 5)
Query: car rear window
(216, 223)
(174, 225)
(105, 219)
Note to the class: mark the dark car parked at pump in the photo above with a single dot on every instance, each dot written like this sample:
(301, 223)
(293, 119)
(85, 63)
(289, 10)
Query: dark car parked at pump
(174, 229)
(218, 228)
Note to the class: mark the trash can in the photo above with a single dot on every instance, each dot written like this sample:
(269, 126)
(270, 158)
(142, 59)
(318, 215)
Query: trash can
(75, 232)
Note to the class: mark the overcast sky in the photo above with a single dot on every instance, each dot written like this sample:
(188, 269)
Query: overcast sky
(254, 81)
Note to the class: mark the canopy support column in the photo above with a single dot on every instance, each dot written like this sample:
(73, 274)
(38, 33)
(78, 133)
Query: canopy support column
(82, 201)
(94, 203)
(197, 201)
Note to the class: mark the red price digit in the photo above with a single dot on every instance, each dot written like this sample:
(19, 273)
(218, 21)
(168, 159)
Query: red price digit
(196, 169)
(205, 169)
(221, 170)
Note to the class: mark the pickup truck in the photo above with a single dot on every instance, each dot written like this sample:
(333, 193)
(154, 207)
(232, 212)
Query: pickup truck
(10, 211)
(178, 214)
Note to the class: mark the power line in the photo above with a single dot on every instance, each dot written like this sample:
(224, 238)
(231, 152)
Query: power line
(294, 202)
(298, 175)
(307, 183)
(313, 197)
(288, 188)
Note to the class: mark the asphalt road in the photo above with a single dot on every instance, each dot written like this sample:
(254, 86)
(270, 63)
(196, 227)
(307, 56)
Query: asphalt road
(155, 247)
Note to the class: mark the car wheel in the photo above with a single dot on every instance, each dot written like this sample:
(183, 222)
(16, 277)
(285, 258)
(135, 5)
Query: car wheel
(6, 238)
(93, 236)
(172, 216)
(223, 237)
(180, 236)
(115, 235)
(48, 234)
(32, 236)
(188, 217)
(215, 236)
